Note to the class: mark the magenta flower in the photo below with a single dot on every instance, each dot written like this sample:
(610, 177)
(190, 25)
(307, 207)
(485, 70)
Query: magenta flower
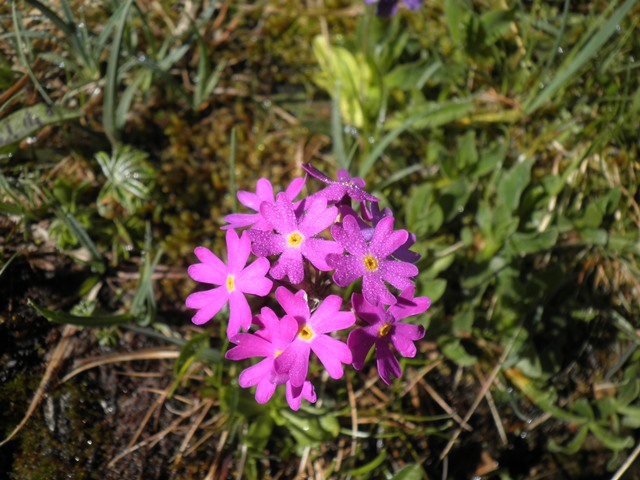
(388, 8)
(295, 238)
(234, 279)
(383, 328)
(312, 336)
(372, 260)
(269, 342)
(345, 186)
(264, 193)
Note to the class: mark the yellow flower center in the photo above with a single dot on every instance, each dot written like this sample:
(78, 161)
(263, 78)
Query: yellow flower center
(294, 239)
(231, 284)
(370, 263)
(306, 333)
(277, 353)
(384, 330)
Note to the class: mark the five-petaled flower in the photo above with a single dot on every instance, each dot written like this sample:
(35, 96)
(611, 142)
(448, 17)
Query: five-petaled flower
(234, 279)
(372, 260)
(269, 342)
(295, 236)
(383, 329)
(312, 336)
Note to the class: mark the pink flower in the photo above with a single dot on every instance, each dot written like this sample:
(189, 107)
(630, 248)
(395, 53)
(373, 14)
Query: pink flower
(372, 260)
(383, 328)
(294, 238)
(234, 279)
(345, 186)
(264, 193)
(269, 342)
(312, 329)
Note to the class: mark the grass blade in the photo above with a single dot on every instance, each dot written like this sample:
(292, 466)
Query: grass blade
(571, 66)
(91, 321)
(111, 80)
(29, 120)
(336, 131)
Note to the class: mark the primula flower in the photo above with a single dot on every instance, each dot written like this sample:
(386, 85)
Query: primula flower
(312, 336)
(383, 328)
(371, 259)
(234, 279)
(294, 238)
(269, 342)
(345, 186)
(264, 193)
(388, 8)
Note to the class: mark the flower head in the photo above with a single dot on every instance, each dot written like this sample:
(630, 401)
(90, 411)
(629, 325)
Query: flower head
(235, 281)
(372, 260)
(311, 335)
(269, 342)
(383, 329)
(295, 238)
(388, 8)
(264, 193)
(345, 186)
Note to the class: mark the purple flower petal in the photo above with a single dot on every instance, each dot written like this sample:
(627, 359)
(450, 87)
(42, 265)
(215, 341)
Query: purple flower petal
(289, 264)
(371, 314)
(332, 354)
(266, 243)
(409, 331)
(209, 302)
(294, 361)
(253, 375)
(204, 273)
(280, 214)
(374, 290)
(295, 187)
(385, 240)
(317, 218)
(403, 343)
(388, 365)
(238, 250)
(248, 346)
(239, 313)
(360, 342)
(349, 236)
(397, 273)
(348, 269)
(407, 305)
(264, 390)
(252, 279)
(316, 251)
(327, 317)
(294, 304)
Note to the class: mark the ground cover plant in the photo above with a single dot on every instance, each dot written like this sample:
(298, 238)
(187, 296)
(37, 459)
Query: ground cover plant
(499, 137)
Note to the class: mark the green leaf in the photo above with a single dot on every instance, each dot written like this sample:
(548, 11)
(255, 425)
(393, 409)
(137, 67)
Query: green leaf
(91, 321)
(528, 243)
(410, 472)
(111, 79)
(609, 439)
(372, 465)
(512, 183)
(574, 445)
(454, 351)
(29, 120)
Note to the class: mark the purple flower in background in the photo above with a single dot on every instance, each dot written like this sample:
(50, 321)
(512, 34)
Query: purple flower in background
(383, 328)
(264, 193)
(338, 189)
(269, 342)
(295, 238)
(234, 279)
(371, 259)
(388, 8)
(312, 329)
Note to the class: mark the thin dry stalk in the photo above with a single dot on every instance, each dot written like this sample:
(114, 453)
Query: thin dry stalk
(445, 406)
(485, 387)
(149, 354)
(214, 466)
(61, 352)
(354, 416)
(627, 464)
(208, 403)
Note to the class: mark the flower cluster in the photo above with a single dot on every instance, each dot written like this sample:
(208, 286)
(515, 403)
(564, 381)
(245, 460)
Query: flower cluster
(306, 246)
